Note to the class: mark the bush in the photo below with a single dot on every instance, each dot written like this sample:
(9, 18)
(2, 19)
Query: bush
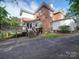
(64, 29)
(31, 34)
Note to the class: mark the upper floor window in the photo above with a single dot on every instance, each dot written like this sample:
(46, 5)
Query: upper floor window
(40, 12)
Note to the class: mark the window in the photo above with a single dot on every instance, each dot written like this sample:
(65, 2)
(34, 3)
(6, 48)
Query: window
(36, 24)
(29, 25)
(40, 13)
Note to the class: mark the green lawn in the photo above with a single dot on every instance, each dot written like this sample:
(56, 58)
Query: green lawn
(51, 35)
(6, 35)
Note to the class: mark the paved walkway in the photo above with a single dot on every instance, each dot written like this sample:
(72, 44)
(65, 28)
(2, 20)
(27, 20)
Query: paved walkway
(25, 48)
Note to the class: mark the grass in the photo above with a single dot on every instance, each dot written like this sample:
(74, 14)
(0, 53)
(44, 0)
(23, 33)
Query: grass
(77, 30)
(6, 35)
(51, 35)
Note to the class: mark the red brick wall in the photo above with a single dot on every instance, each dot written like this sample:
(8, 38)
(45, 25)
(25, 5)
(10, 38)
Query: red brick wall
(45, 19)
(58, 16)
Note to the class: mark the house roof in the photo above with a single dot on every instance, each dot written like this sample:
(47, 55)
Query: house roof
(57, 20)
(56, 13)
(21, 11)
(63, 19)
(44, 5)
(28, 20)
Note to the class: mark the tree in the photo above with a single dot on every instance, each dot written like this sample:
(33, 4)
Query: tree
(3, 14)
(4, 21)
(74, 6)
(11, 22)
(67, 16)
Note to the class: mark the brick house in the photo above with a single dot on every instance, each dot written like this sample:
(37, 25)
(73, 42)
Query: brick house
(44, 15)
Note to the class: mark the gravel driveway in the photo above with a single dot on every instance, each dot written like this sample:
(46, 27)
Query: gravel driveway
(24, 48)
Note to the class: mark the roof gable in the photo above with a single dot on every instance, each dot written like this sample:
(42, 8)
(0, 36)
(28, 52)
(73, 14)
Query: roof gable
(44, 5)
(21, 11)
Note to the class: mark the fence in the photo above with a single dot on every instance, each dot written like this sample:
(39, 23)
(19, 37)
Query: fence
(18, 31)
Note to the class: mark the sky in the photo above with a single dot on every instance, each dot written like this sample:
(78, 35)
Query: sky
(33, 5)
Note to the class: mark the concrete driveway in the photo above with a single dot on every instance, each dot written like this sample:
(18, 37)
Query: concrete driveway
(25, 48)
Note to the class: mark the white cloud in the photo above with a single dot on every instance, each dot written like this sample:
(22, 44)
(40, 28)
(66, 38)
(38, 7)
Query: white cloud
(14, 10)
(34, 6)
(25, 6)
(51, 5)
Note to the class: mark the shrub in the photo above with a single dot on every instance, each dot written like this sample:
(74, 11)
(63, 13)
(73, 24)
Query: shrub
(31, 34)
(64, 29)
